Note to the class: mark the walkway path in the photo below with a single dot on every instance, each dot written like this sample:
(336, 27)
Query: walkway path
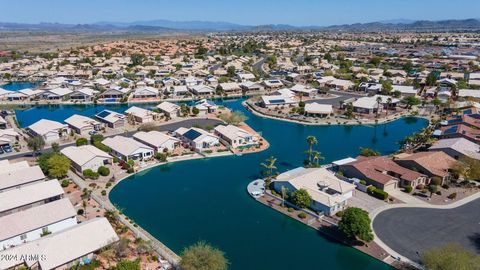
(475, 197)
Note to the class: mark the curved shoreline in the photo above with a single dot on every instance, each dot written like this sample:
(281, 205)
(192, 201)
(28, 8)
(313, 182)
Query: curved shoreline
(338, 123)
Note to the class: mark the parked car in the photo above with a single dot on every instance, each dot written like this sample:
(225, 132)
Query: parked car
(93, 132)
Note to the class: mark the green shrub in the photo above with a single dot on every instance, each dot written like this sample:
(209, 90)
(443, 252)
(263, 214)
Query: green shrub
(377, 193)
(116, 159)
(131, 162)
(302, 215)
(81, 141)
(363, 182)
(88, 173)
(290, 210)
(65, 183)
(103, 171)
(80, 212)
(445, 186)
(436, 181)
(104, 192)
(438, 192)
(339, 214)
(109, 184)
(96, 138)
(161, 157)
(408, 189)
(101, 146)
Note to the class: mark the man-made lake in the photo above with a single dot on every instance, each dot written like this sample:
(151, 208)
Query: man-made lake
(196, 200)
(16, 86)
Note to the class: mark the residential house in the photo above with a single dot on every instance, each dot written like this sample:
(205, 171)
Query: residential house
(30, 224)
(205, 106)
(86, 157)
(111, 119)
(249, 86)
(169, 109)
(83, 94)
(57, 93)
(236, 137)
(141, 115)
(82, 125)
(49, 130)
(382, 173)
(127, 148)
(57, 249)
(146, 92)
(329, 194)
(157, 140)
(457, 148)
(202, 90)
(197, 139)
(317, 109)
(432, 164)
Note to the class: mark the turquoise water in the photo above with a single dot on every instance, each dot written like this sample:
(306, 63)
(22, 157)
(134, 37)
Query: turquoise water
(188, 201)
(19, 85)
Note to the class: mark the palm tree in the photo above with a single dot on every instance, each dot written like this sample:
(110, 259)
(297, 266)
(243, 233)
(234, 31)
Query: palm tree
(284, 194)
(379, 101)
(317, 156)
(311, 140)
(389, 102)
(269, 165)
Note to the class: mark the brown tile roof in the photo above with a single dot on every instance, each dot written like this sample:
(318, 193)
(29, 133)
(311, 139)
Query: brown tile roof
(436, 162)
(383, 169)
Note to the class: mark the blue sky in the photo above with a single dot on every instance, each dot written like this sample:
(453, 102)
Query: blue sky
(248, 12)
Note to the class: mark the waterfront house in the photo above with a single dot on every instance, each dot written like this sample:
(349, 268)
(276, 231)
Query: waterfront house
(230, 87)
(205, 106)
(179, 90)
(461, 131)
(303, 90)
(457, 148)
(82, 125)
(30, 224)
(146, 92)
(317, 109)
(141, 115)
(25, 197)
(18, 174)
(114, 94)
(433, 164)
(159, 141)
(329, 194)
(63, 249)
(83, 94)
(127, 148)
(405, 90)
(249, 86)
(111, 119)
(235, 137)
(3, 123)
(49, 130)
(202, 90)
(8, 137)
(56, 93)
(382, 173)
(86, 157)
(276, 101)
(197, 139)
(169, 109)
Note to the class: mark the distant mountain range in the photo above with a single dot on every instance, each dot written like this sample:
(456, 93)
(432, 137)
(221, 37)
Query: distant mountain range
(203, 26)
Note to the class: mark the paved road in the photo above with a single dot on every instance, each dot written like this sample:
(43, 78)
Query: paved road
(258, 65)
(201, 122)
(411, 230)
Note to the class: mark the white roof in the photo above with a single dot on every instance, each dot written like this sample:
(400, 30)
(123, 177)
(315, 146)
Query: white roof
(83, 154)
(26, 195)
(168, 107)
(80, 121)
(277, 100)
(155, 138)
(112, 117)
(315, 107)
(125, 146)
(230, 86)
(469, 93)
(86, 91)
(314, 180)
(102, 81)
(20, 177)
(344, 161)
(35, 218)
(404, 89)
(302, 88)
(139, 112)
(232, 132)
(146, 91)
(6, 166)
(44, 126)
(64, 246)
(60, 91)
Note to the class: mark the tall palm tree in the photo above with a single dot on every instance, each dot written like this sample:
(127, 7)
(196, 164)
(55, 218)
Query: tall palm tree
(311, 140)
(379, 101)
(389, 102)
(269, 165)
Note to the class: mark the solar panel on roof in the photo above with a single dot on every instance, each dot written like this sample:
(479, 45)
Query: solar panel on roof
(192, 134)
(103, 114)
(451, 130)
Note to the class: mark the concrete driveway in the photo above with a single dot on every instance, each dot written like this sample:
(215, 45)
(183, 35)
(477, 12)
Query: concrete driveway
(412, 231)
